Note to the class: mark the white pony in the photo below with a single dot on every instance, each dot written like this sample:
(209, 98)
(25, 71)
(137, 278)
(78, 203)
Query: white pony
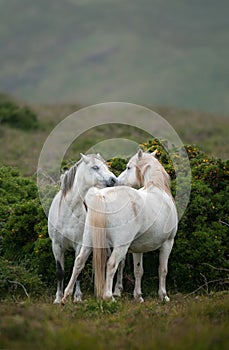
(68, 211)
(127, 219)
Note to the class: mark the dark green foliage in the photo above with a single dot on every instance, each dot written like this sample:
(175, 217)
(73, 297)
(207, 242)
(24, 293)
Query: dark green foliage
(200, 253)
(20, 212)
(13, 189)
(17, 280)
(117, 165)
(17, 117)
(19, 232)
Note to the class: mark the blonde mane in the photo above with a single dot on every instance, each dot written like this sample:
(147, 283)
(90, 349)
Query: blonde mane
(149, 171)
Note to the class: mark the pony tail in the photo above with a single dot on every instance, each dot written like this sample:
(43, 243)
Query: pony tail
(97, 221)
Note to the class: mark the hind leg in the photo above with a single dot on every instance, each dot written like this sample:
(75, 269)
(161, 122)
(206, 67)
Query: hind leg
(138, 273)
(78, 294)
(118, 254)
(119, 283)
(165, 251)
(59, 258)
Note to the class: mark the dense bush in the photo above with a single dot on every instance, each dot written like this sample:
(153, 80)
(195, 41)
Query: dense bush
(16, 116)
(20, 211)
(200, 253)
(15, 279)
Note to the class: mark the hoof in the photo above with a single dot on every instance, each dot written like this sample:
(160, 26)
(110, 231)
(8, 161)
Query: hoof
(117, 293)
(77, 299)
(63, 301)
(139, 299)
(166, 299)
(57, 301)
(163, 296)
(109, 298)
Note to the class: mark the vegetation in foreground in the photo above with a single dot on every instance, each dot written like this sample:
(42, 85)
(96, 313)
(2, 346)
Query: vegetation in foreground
(184, 323)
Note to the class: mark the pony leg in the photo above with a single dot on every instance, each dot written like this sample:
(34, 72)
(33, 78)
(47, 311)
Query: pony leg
(119, 283)
(165, 251)
(78, 267)
(116, 257)
(138, 273)
(59, 258)
(78, 293)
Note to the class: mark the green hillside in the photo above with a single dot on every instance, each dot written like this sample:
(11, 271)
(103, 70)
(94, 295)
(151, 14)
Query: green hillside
(21, 148)
(170, 53)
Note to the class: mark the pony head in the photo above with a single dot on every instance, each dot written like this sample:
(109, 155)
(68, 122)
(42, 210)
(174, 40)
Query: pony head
(95, 171)
(91, 171)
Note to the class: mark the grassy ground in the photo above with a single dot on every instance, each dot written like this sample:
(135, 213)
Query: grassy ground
(184, 323)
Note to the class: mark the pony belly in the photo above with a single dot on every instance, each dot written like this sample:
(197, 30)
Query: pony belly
(145, 244)
(152, 239)
(68, 234)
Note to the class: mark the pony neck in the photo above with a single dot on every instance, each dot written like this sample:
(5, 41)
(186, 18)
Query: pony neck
(77, 192)
(80, 187)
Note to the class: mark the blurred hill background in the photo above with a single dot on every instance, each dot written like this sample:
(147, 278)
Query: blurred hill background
(21, 142)
(171, 56)
(152, 52)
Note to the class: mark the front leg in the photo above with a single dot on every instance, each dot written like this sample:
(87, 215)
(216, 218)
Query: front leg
(78, 266)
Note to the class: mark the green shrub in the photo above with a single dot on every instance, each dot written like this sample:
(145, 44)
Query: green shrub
(117, 165)
(17, 280)
(19, 234)
(16, 116)
(20, 211)
(13, 189)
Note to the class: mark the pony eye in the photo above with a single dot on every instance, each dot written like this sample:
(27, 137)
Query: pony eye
(128, 168)
(95, 167)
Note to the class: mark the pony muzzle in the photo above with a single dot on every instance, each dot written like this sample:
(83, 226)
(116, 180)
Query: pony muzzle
(113, 181)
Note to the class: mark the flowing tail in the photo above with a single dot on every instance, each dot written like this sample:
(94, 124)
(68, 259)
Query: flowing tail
(97, 221)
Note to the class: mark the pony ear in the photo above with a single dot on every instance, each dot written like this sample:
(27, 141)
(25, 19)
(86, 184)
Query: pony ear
(154, 153)
(85, 158)
(100, 157)
(140, 153)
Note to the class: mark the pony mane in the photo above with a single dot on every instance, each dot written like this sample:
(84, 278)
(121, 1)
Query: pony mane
(67, 179)
(159, 177)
